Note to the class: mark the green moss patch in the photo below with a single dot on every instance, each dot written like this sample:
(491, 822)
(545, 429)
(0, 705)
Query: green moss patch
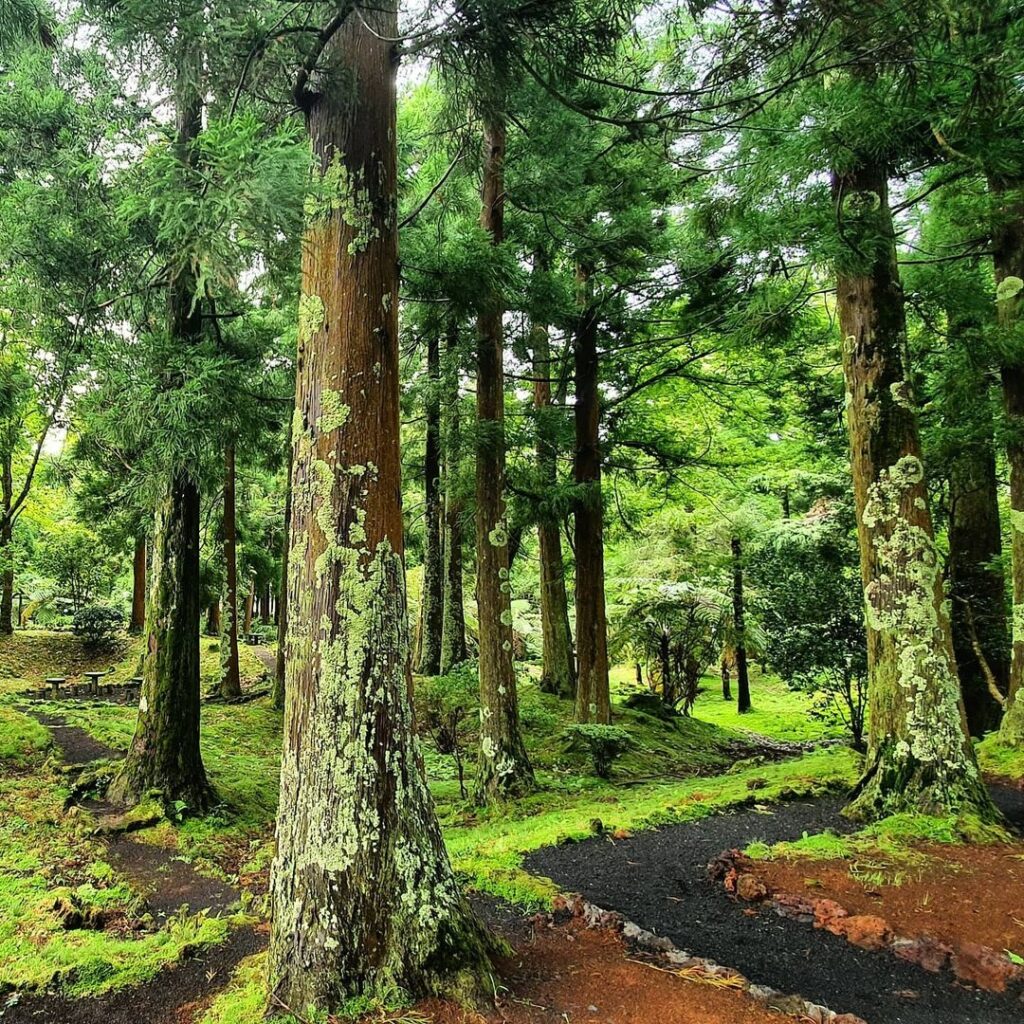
(998, 759)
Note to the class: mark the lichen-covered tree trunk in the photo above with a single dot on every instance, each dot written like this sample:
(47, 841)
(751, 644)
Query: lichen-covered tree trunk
(164, 755)
(364, 900)
(230, 676)
(739, 626)
(1008, 259)
(277, 691)
(593, 700)
(428, 661)
(503, 768)
(558, 665)
(453, 635)
(919, 756)
(137, 623)
(976, 584)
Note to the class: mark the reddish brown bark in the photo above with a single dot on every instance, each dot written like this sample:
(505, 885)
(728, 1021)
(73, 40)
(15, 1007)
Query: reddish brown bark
(558, 666)
(593, 700)
(364, 901)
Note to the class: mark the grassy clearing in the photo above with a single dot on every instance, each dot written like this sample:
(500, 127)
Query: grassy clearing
(778, 711)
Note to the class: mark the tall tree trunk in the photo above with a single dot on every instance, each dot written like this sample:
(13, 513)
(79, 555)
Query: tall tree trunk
(503, 768)
(432, 595)
(593, 700)
(230, 677)
(558, 671)
(453, 635)
(364, 901)
(138, 619)
(164, 754)
(1008, 259)
(277, 693)
(976, 583)
(6, 547)
(740, 626)
(919, 756)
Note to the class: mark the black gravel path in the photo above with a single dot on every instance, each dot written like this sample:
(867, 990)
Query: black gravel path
(658, 880)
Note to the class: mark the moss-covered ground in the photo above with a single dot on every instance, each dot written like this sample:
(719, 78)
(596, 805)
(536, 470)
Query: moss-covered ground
(673, 771)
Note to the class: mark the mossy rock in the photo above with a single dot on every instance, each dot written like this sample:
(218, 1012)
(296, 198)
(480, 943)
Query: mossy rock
(651, 704)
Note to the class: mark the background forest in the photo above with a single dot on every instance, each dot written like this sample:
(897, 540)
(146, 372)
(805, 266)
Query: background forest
(689, 336)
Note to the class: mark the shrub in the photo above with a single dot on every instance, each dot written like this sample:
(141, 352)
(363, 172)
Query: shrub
(98, 625)
(602, 743)
(448, 707)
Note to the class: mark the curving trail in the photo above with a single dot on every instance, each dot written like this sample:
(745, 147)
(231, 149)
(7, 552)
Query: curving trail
(658, 880)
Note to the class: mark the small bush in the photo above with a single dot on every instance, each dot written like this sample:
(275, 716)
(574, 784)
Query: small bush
(98, 625)
(603, 744)
(448, 708)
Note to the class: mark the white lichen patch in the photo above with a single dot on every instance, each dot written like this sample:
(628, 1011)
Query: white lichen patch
(900, 391)
(903, 602)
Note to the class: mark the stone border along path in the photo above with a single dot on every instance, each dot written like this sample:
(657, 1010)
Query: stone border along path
(167, 884)
(659, 880)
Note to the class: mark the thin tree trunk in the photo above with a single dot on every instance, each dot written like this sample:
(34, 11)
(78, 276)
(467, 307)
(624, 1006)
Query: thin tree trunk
(138, 619)
(593, 700)
(453, 636)
(739, 625)
(1008, 259)
(364, 901)
(277, 694)
(503, 768)
(230, 676)
(976, 583)
(726, 678)
(164, 755)
(213, 618)
(432, 595)
(250, 598)
(6, 548)
(558, 672)
(919, 757)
